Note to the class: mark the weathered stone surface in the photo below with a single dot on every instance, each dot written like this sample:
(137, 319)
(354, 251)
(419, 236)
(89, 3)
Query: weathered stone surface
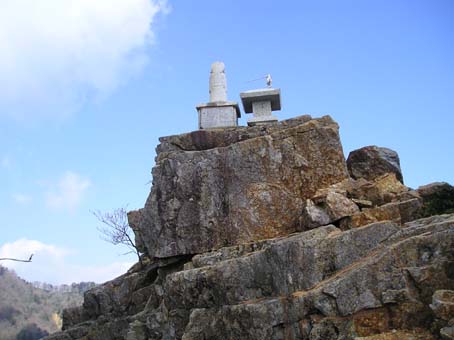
(72, 317)
(369, 269)
(127, 294)
(250, 186)
(443, 304)
(137, 331)
(307, 265)
(387, 212)
(314, 216)
(381, 190)
(326, 209)
(354, 203)
(438, 198)
(447, 333)
(362, 203)
(372, 161)
(399, 212)
(339, 206)
(340, 300)
(134, 218)
(419, 334)
(319, 284)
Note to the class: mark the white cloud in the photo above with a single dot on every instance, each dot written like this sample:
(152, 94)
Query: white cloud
(50, 264)
(22, 198)
(67, 192)
(54, 54)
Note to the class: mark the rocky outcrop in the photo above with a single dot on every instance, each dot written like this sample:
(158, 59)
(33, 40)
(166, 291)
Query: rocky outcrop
(372, 161)
(354, 203)
(309, 253)
(215, 188)
(359, 291)
(320, 284)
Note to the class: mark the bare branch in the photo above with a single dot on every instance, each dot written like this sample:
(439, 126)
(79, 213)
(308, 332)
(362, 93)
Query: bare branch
(17, 260)
(116, 229)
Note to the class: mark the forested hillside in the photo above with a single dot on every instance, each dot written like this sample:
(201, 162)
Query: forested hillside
(27, 313)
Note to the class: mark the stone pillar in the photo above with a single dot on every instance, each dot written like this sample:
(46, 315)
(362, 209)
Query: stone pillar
(218, 83)
(218, 112)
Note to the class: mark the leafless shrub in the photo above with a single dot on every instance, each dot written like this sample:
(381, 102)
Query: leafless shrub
(116, 229)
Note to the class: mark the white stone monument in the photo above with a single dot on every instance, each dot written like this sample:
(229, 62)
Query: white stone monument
(218, 113)
(262, 103)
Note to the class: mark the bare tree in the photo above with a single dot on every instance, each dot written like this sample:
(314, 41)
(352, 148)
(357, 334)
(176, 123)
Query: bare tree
(116, 229)
(17, 260)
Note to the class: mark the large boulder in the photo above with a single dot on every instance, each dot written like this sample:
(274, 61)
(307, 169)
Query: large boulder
(372, 161)
(214, 188)
(438, 198)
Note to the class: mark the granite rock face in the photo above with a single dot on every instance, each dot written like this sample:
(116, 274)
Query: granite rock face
(311, 254)
(324, 283)
(223, 187)
(372, 161)
(354, 203)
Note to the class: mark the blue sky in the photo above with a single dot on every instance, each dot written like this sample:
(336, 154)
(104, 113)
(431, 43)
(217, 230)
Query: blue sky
(88, 86)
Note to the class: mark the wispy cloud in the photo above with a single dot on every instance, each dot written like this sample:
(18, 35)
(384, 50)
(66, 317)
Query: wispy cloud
(68, 192)
(22, 198)
(50, 264)
(54, 54)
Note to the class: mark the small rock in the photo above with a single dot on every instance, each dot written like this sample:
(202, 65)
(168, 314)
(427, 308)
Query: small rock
(328, 207)
(443, 304)
(339, 206)
(137, 331)
(362, 203)
(313, 216)
(394, 296)
(447, 333)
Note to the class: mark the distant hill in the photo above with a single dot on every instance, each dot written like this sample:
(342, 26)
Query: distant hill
(24, 304)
